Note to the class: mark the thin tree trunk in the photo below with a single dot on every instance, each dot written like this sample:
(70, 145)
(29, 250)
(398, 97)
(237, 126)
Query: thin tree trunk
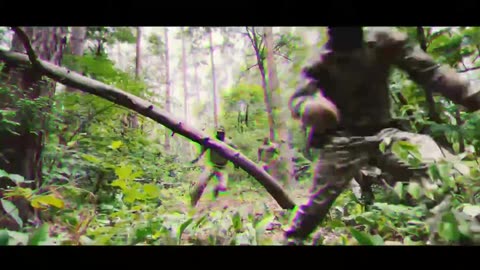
(184, 72)
(133, 118)
(167, 77)
(21, 153)
(214, 82)
(77, 47)
(280, 115)
(138, 62)
(266, 95)
(196, 80)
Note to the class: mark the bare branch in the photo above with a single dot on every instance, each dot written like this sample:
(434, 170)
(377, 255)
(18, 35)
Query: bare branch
(251, 67)
(147, 109)
(468, 69)
(284, 56)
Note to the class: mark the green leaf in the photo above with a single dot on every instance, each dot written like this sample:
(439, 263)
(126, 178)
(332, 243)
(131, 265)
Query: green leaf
(12, 211)
(362, 237)
(182, 228)
(399, 190)
(124, 172)
(3, 173)
(116, 144)
(448, 228)
(40, 235)
(151, 190)
(41, 201)
(400, 151)
(414, 190)
(200, 221)
(408, 241)
(91, 158)
(382, 147)
(262, 224)
(471, 210)
(237, 222)
(119, 183)
(17, 238)
(377, 240)
(16, 178)
(4, 237)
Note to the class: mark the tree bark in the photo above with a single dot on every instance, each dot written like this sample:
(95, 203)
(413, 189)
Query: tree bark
(214, 81)
(138, 57)
(261, 67)
(77, 47)
(21, 153)
(184, 73)
(133, 118)
(167, 92)
(196, 80)
(147, 109)
(284, 169)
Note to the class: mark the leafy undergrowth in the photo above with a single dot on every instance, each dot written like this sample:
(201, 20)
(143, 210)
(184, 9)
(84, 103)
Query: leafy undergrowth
(241, 216)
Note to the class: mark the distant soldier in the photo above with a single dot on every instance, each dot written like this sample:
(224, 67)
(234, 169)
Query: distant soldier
(346, 102)
(267, 153)
(216, 167)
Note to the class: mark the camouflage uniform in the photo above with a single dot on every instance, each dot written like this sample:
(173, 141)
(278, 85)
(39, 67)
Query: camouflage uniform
(357, 83)
(216, 168)
(267, 153)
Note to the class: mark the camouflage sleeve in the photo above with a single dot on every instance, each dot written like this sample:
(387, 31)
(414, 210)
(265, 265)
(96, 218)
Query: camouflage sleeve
(423, 69)
(299, 97)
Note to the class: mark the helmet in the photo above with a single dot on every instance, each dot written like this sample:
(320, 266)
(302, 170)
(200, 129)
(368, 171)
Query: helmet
(345, 38)
(220, 133)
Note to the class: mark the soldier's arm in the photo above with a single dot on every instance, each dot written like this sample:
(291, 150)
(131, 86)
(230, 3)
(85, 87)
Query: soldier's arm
(300, 96)
(204, 149)
(423, 69)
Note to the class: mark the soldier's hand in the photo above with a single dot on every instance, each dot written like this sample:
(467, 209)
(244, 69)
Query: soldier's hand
(320, 113)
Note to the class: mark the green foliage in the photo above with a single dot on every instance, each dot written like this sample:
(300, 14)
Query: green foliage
(107, 184)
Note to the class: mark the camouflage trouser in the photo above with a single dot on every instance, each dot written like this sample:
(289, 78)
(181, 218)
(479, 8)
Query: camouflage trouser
(218, 172)
(343, 158)
(267, 166)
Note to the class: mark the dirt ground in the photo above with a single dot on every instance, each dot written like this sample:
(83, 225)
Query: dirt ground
(254, 201)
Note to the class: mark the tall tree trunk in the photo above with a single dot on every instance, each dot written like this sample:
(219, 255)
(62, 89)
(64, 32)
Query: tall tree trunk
(196, 80)
(77, 47)
(21, 153)
(280, 115)
(214, 81)
(261, 67)
(167, 77)
(184, 73)
(132, 117)
(138, 58)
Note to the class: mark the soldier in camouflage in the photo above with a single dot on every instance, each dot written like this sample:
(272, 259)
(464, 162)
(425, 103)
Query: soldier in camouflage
(267, 153)
(346, 101)
(216, 167)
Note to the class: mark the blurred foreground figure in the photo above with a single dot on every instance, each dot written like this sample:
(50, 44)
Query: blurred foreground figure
(346, 104)
(215, 166)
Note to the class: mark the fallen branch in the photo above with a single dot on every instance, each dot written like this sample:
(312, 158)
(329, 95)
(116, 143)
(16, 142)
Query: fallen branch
(147, 109)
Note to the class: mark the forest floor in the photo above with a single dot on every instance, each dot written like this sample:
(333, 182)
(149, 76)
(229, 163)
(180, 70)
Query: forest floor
(250, 200)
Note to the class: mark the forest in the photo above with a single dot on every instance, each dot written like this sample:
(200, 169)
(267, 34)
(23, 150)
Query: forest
(101, 131)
